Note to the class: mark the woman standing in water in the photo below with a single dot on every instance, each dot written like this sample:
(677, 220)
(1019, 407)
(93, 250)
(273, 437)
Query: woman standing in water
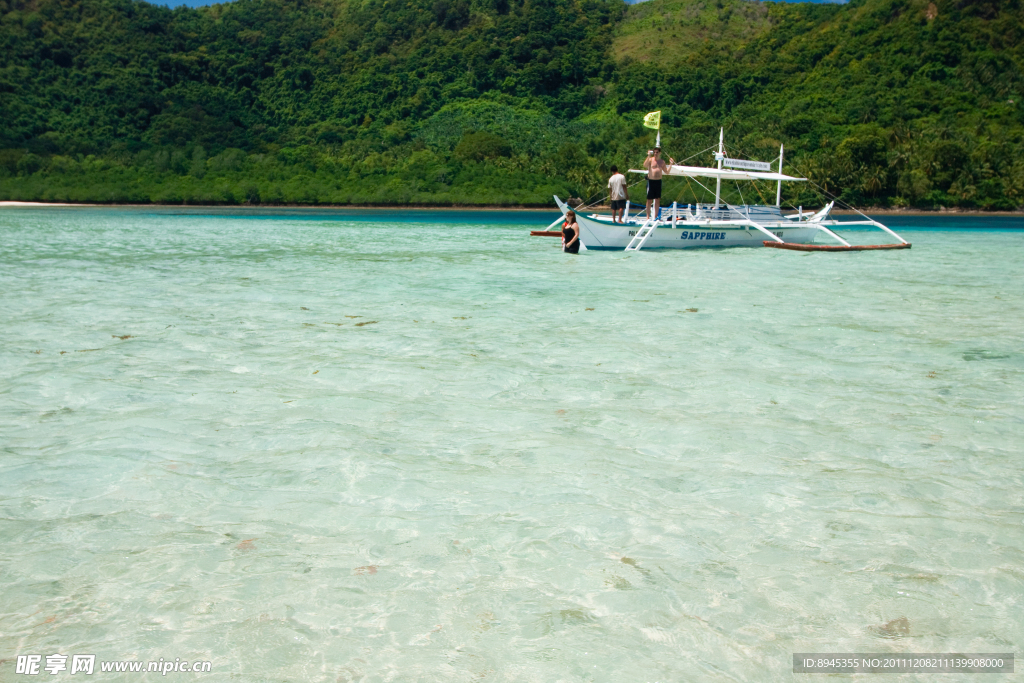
(570, 233)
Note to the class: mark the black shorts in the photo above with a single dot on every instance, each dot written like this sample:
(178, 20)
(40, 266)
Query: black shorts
(618, 204)
(654, 189)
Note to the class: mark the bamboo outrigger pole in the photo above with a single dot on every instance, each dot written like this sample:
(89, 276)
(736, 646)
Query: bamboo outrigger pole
(720, 157)
(778, 190)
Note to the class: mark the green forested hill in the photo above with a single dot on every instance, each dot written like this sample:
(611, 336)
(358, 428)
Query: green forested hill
(884, 102)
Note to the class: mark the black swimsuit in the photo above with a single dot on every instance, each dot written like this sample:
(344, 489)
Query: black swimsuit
(567, 234)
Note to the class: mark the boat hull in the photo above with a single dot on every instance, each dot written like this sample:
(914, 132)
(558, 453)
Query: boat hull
(688, 235)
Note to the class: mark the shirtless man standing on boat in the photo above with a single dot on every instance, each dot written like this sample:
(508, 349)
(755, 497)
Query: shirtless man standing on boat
(655, 167)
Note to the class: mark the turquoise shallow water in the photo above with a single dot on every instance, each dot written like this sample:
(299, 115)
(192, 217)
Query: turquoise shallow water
(313, 446)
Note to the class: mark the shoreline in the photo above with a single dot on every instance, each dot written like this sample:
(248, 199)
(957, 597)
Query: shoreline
(464, 207)
(259, 207)
(923, 212)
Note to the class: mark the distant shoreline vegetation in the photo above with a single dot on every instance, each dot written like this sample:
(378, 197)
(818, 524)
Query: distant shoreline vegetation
(257, 208)
(206, 3)
(884, 103)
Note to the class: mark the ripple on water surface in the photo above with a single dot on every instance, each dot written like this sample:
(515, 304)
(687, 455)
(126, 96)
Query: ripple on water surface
(423, 446)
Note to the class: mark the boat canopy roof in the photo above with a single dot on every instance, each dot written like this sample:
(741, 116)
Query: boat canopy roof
(724, 173)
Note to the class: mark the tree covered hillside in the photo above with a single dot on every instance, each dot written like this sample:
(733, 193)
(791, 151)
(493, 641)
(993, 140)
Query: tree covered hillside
(885, 102)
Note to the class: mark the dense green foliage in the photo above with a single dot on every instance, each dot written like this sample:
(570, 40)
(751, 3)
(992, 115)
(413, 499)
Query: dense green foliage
(884, 102)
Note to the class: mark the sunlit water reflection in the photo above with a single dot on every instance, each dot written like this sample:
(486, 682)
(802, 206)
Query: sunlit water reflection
(369, 446)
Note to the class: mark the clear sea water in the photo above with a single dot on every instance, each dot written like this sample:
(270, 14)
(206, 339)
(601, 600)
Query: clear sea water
(424, 446)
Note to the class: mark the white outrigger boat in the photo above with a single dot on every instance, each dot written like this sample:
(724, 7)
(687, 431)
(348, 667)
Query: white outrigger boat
(721, 224)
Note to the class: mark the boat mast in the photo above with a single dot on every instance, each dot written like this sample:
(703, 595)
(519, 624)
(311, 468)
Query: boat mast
(720, 156)
(778, 190)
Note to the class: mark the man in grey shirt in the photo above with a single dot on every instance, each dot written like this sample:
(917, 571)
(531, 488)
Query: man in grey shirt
(617, 187)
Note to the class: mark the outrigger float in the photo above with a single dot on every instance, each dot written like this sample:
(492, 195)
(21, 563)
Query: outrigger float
(720, 224)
